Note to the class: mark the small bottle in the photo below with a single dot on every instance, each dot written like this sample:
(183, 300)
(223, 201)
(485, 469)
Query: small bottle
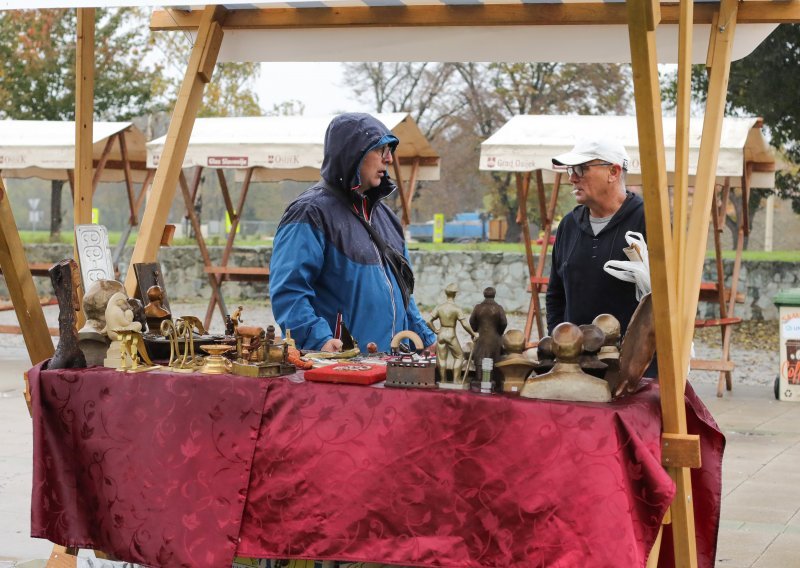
(486, 375)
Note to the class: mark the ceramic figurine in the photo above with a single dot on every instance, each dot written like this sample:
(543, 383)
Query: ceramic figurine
(66, 279)
(567, 381)
(92, 338)
(488, 319)
(119, 316)
(449, 354)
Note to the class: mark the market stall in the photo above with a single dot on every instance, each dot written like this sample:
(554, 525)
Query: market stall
(276, 148)
(526, 144)
(46, 150)
(591, 31)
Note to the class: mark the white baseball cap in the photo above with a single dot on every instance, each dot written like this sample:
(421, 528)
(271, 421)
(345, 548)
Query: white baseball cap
(588, 149)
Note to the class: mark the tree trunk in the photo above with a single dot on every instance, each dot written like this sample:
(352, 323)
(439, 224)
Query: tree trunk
(514, 231)
(56, 218)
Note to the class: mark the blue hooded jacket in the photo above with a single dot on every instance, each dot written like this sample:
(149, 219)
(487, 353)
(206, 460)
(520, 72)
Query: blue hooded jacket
(324, 262)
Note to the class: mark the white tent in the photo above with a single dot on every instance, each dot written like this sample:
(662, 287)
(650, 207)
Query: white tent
(529, 142)
(46, 149)
(288, 147)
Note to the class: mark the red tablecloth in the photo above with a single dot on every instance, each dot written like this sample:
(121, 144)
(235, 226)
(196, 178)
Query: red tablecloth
(161, 468)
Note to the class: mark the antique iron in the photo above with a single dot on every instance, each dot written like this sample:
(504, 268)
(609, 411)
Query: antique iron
(410, 370)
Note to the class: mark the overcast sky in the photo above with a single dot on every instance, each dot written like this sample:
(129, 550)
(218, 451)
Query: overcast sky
(317, 85)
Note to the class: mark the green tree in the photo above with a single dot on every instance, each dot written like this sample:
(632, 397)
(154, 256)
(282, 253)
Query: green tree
(458, 105)
(37, 70)
(231, 90)
(765, 84)
(496, 92)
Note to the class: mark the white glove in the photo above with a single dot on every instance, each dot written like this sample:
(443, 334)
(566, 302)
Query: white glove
(637, 269)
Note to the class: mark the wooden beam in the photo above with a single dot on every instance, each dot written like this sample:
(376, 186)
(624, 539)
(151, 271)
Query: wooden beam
(705, 178)
(180, 129)
(84, 117)
(412, 180)
(102, 163)
(21, 288)
(682, 118)
(123, 149)
(405, 203)
(464, 15)
(662, 264)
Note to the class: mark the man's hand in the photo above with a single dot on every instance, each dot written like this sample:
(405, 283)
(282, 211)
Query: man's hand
(332, 345)
(431, 348)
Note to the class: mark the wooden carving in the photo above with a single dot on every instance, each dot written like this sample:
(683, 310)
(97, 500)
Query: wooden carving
(66, 279)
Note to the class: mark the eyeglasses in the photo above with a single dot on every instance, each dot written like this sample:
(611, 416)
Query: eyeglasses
(580, 169)
(385, 151)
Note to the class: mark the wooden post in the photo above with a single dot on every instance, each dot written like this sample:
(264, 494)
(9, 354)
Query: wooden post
(681, 188)
(643, 18)
(84, 117)
(720, 45)
(126, 165)
(198, 73)
(21, 288)
(405, 202)
(235, 216)
(101, 164)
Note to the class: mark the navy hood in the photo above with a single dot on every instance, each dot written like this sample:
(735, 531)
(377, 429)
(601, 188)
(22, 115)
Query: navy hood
(348, 139)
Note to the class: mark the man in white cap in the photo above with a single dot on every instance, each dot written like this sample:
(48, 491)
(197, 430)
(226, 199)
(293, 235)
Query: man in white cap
(592, 234)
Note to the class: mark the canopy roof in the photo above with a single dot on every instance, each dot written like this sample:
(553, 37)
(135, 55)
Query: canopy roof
(430, 30)
(288, 147)
(440, 30)
(46, 149)
(529, 142)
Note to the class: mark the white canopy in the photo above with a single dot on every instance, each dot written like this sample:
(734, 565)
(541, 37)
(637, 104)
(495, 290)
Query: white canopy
(46, 149)
(288, 147)
(452, 41)
(529, 142)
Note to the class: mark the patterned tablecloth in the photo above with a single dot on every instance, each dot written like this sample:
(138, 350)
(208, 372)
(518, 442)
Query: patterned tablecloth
(187, 470)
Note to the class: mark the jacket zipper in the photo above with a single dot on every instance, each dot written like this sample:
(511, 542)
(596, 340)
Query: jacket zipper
(385, 275)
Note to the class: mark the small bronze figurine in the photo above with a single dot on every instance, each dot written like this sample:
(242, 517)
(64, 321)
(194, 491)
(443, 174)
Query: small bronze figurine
(488, 319)
(593, 339)
(567, 381)
(449, 355)
(545, 358)
(514, 365)
(155, 311)
(611, 328)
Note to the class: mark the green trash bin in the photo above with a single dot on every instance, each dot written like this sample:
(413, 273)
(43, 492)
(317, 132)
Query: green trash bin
(787, 385)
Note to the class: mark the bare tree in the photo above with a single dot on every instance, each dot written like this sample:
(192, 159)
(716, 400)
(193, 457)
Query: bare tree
(458, 105)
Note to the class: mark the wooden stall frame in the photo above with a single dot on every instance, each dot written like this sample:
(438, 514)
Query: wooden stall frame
(674, 332)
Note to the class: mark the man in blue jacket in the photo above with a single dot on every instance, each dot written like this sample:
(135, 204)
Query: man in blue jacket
(326, 268)
(592, 234)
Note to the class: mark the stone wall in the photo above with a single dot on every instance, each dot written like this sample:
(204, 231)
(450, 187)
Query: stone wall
(472, 271)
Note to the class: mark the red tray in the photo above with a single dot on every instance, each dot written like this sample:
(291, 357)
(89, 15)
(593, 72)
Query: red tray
(348, 373)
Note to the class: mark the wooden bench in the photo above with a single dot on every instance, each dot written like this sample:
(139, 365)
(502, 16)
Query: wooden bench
(240, 273)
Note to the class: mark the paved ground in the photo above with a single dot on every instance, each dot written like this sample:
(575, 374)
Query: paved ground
(760, 524)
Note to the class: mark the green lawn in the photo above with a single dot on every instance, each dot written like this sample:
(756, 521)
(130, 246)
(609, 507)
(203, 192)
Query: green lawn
(38, 237)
